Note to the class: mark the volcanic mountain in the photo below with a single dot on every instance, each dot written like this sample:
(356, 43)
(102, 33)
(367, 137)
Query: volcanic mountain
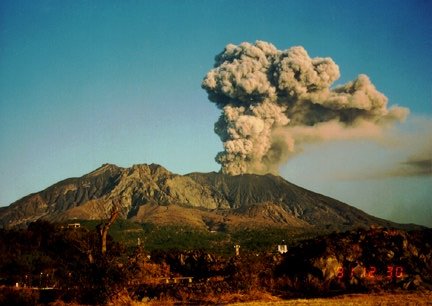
(212, 201)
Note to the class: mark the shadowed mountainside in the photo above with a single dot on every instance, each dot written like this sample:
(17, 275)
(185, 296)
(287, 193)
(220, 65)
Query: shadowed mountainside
(213, 201)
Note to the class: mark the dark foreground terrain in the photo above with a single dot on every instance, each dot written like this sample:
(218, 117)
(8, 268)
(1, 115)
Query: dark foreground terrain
(371, 299)
(47, 264)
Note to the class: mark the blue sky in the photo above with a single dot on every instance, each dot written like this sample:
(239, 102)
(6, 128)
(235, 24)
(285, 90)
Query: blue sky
(84, 83)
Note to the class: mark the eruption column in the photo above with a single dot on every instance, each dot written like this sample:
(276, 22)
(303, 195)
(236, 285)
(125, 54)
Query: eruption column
(274, 101)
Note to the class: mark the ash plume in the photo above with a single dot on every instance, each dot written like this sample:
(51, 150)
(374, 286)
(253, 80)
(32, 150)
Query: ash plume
(274, 101)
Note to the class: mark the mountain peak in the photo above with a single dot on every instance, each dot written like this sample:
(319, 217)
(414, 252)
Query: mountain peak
(151, 193)
(104, 168)
(153, 169)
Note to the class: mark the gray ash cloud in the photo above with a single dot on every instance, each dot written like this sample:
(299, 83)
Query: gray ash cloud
(274, 101)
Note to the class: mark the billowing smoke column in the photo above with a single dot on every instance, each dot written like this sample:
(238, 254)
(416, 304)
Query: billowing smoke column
(274, 101)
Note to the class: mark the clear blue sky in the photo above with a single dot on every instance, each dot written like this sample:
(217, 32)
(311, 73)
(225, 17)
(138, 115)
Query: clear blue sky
(84, 83)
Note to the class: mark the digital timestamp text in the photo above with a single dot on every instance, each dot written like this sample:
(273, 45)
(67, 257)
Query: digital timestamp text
(392, 273)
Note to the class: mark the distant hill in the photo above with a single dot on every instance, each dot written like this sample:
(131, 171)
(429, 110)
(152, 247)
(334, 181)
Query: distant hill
(211, 201)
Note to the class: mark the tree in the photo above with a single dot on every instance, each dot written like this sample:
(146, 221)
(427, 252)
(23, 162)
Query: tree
(104, 227)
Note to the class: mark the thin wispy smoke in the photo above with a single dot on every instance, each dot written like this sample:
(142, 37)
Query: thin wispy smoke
(418, 159)
(274, 101)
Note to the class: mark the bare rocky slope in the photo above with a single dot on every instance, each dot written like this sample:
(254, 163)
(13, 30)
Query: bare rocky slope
(212, 201)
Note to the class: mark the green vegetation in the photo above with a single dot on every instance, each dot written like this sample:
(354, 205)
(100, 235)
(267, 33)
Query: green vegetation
(174, 237)
(181, 238)
(123, 231)
(261, 239)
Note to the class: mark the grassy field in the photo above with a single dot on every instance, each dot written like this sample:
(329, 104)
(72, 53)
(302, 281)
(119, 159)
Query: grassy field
(403, 298)
(417, 298)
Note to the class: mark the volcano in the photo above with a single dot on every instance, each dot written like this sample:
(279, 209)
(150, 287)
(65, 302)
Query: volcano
(149, 193)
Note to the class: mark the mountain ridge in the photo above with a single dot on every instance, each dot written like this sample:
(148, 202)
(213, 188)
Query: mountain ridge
(211, 201)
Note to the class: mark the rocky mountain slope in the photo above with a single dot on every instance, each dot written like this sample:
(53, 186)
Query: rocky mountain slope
(212, 201)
